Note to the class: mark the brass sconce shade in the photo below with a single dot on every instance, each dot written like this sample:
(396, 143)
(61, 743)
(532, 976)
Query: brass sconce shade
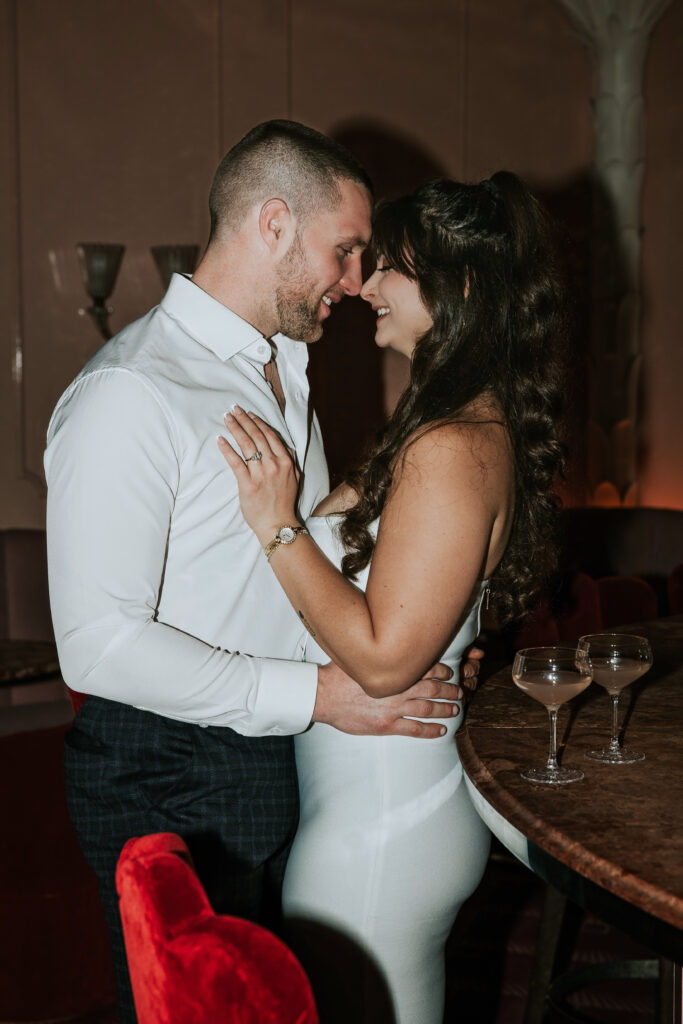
(174, 259)
(100, 263)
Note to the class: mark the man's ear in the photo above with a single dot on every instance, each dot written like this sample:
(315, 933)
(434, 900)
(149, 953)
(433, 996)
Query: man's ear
(277, 226)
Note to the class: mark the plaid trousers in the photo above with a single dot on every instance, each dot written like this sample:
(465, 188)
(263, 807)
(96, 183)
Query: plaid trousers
(232, 798)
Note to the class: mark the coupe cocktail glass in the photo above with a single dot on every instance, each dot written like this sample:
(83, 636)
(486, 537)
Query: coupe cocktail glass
(551, 675)
(616, 660)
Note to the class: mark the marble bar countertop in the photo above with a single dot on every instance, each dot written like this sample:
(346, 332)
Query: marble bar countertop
(613, 840)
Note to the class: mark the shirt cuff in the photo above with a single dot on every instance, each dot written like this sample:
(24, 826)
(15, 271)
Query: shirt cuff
(286, 698)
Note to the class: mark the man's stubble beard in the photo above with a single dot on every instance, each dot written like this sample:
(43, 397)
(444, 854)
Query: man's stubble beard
(297, 311)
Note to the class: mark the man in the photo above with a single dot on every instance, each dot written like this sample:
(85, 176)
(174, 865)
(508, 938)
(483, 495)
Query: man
(161, 595)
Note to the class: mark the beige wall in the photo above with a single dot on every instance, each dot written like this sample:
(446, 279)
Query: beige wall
(113, 115)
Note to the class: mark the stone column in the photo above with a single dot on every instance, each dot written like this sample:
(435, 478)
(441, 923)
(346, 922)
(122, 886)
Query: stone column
(617, 33)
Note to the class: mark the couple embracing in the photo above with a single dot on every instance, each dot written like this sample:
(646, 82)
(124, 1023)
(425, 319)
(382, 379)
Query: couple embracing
(216, 601)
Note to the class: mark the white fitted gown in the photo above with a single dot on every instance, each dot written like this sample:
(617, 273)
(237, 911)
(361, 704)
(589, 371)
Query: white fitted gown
(388, 848)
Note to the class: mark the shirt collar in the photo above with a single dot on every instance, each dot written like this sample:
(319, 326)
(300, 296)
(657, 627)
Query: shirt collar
(295, 353)
(217, 328)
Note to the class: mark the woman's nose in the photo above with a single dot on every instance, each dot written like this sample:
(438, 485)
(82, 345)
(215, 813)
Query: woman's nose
(367, 292)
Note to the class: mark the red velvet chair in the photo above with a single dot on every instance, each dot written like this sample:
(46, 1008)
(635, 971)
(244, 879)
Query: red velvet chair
(580, 612)
(674, 590)
(189, 965)
(77, 699)
(625, 599)
(585, 606)
(538, 629)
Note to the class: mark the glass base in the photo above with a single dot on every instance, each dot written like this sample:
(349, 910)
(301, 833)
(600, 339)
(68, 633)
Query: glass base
(621, 756)
(552, 776)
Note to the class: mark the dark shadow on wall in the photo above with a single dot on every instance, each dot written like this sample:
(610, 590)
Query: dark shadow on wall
(346, 367)
(571, 208)
(598, 361)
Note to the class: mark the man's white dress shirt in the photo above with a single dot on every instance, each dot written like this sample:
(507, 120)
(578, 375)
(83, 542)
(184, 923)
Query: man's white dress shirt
(161, 595)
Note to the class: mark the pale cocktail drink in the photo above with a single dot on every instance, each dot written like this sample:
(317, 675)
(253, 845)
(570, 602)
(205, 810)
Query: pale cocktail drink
(552, 689)
(615, 675)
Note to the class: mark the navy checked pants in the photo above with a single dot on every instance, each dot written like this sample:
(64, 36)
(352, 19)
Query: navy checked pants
(233, 799)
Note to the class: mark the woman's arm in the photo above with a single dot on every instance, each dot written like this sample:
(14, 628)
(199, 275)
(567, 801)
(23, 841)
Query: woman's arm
(443, 527)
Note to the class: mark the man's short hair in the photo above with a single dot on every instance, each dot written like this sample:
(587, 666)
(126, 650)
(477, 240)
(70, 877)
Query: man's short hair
(284, 160)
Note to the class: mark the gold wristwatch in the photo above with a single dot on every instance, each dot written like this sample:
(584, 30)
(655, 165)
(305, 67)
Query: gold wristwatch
(285, 535)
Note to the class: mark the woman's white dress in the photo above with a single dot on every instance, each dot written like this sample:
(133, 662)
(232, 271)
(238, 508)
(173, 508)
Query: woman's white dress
(388, 848)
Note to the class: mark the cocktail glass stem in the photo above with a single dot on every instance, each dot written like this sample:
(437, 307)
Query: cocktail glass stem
(552, 765)
(614, 741)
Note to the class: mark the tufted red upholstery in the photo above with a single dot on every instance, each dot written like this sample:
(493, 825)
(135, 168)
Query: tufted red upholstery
(578, 612)
(538, 628)
(191, 966)
(582, 611)
(625, 599)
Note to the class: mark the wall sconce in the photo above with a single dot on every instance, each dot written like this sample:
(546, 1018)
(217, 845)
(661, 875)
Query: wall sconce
(100, 264)
(174, 259)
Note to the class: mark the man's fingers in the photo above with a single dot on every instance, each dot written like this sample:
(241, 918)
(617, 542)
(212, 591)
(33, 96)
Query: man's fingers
(342, 703)
(434, 689)
(418, 730)
(432, 709)
(469, 669)
(438, 671)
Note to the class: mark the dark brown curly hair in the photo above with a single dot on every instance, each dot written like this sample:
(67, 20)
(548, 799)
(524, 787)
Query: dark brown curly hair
(483, 260)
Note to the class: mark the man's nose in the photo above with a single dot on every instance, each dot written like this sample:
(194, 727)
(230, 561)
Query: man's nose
(352, 280)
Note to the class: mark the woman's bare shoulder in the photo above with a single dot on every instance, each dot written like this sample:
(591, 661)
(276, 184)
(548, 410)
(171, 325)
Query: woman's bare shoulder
(480, 434)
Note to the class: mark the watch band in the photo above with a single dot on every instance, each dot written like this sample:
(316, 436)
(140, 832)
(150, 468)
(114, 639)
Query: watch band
(285, 535)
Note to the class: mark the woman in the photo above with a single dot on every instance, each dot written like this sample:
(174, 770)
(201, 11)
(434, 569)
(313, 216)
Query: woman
(454, 502)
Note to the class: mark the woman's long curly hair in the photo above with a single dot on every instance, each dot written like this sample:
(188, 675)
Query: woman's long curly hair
(483, 261)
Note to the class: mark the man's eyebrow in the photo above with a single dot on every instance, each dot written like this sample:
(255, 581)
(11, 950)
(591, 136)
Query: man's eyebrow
(355, 241)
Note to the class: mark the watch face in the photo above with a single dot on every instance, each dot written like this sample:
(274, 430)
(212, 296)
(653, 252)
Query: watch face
(286, 535)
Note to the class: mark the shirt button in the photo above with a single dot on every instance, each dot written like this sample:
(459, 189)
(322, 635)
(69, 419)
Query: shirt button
(276, 731)
(203, 725)
(264, 350)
